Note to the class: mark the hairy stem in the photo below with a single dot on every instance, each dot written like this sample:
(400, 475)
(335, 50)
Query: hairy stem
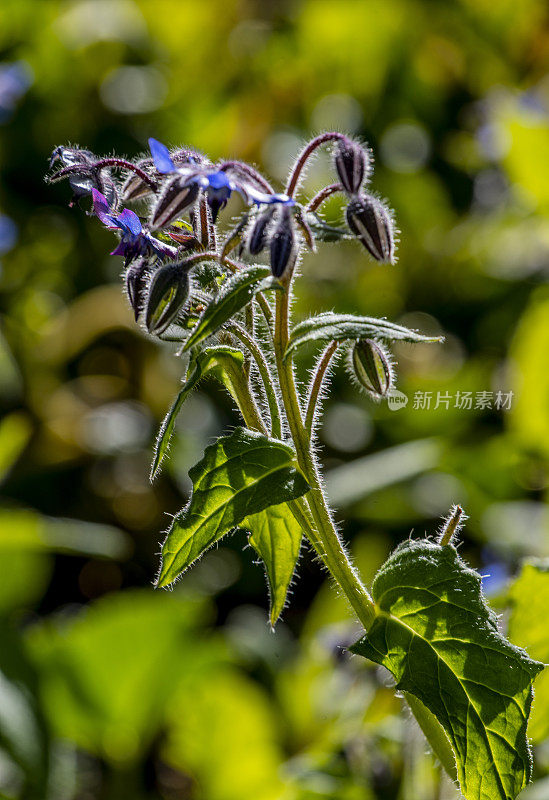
(323, 195)
(252, 173)
(266, 377)
(316, 385)
(323, 537)
(308, 150)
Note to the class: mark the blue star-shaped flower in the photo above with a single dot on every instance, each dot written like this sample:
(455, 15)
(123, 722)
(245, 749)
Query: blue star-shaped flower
(217, 184)
(134, 240)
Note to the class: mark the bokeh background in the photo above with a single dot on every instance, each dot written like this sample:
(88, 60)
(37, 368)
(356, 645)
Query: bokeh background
(107, 688)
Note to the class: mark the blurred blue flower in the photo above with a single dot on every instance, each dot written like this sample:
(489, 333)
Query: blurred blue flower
(217, 183)
(134, 241)
(15, 80)
(8, 234)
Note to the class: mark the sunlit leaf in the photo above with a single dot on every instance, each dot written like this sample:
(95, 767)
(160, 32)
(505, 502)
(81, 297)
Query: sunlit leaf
(15, 430)
(276, 537)
(436, 635)
(235, 294)
(529, 596)
(222, 729)
(341, 327)
(239, 475)
(107, 674)
(219, 361)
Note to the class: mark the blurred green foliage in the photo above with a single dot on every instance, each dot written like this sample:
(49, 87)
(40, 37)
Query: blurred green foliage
(109, 689)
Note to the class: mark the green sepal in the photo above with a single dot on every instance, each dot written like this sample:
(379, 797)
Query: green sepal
(221, 362)
(239, 475)
(276, 537)
(434, 632)
(329, 327)
(235, 294)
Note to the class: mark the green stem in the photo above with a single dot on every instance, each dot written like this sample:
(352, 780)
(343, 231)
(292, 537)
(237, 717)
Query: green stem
(323, 536)
(240, 390)
(266, 377)
(316, 385)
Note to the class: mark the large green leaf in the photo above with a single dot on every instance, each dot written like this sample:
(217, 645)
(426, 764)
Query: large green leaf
(107, 675)
(225, 363)
(239, 475)
(340, 327)
(276, 537)
(23, 730)
(529, 596)
(235, 294)
(436, 635)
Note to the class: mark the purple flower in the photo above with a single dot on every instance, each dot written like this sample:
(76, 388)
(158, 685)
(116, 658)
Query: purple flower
(217, 183)
(134, 240)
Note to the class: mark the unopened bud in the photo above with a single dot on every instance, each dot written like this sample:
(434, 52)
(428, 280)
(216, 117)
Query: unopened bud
(136, 276)
(371, 221)
(134, 188)
(175, 198)
(282, 244)
(168, 292)
(352, 165)
(257, 238)
(372, 368)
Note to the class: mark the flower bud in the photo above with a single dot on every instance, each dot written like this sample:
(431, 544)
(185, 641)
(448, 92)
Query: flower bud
(352, 164)
(257, 238)
(371, 221)
(372, 368)
(168, 292)
(175, 198)
(134, 187)
(282, 244)
(136, 276)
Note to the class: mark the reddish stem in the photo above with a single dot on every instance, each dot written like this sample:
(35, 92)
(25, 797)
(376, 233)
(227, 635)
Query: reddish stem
(122, 164)
(250, 171)
(323, 195)
(307, 151)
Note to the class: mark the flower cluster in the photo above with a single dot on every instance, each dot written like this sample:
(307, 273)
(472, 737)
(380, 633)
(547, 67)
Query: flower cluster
(175, 257)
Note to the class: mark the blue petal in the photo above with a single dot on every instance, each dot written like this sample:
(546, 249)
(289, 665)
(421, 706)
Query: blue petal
(130, 221)
(219, 180)
(161, 156)
(102, 210)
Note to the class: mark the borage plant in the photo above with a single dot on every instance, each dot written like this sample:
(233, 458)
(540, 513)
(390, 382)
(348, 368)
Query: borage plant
(426, 619)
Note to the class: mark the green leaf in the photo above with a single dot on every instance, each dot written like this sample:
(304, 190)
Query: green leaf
(235, 294)
(108, 675)
(239, 475)
(222, 362)
(436, 635)
(276, 537)
(23, 730)
(340, 327)
(529, 597)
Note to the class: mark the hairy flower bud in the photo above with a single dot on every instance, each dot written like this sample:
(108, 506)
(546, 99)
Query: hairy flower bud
(372, 367)
(352, 165)
(82, 183)
(136, 276)
(257, 238)
(175, 198)
(134, 187)
(168, 292)
(282, 243)
(371, 221)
